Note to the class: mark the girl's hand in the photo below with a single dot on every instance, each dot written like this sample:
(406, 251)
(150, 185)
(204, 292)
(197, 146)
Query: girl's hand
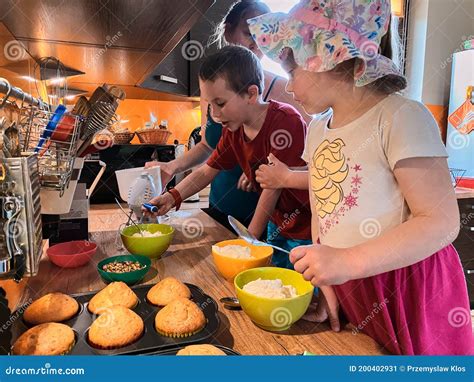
(327, 307)
(272, 175)
(322, 265)
(245, 185)
(164, 203)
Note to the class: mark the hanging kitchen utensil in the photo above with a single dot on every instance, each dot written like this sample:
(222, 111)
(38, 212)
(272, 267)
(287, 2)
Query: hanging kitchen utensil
(115, 91)
(243, 233)
(12, 140)
(99, 118)
(51, 126)
(81, 107)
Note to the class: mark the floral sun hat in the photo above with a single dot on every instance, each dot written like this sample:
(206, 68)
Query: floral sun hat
(324, 33)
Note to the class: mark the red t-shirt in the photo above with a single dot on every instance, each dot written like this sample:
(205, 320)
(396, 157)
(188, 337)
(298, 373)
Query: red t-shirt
(282, 134)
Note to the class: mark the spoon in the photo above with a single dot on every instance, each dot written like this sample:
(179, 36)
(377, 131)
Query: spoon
(231, 303)
(130, 219)
(243, 232)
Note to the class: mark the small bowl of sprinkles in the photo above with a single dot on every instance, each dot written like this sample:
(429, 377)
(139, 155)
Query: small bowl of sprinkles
(130, 269)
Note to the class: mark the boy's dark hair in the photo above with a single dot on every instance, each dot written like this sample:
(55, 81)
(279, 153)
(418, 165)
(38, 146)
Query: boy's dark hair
(237, 65)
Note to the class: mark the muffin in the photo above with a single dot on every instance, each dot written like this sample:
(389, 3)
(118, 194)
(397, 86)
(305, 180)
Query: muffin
(52, 307)
(45, 339)
(115, 327)
(180, 318)
(116, 293)
(167, 290)
(200, 350)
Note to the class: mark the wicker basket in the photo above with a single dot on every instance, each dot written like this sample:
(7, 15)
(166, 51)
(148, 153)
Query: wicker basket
(154, 136)
(123, 138)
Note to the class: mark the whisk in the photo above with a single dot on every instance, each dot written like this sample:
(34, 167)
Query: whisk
(98, 118)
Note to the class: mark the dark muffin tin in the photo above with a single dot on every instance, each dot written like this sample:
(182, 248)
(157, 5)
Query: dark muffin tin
(150, 341)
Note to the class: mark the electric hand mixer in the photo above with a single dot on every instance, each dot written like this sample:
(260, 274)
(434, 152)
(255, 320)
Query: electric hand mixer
(138, 186)
(140, 193)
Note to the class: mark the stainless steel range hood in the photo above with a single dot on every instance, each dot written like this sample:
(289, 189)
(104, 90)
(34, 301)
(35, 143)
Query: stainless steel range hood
(114, 41)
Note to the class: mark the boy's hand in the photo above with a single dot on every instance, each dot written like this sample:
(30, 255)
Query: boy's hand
(166, 171)
(272, 175)
(321, 265)
(164, 203)
(327, 307)
(245, 185)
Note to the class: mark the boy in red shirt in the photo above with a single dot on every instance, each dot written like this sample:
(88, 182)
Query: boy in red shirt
(231, 81)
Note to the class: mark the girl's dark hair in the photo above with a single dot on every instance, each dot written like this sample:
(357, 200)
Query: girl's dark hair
(390, 48)
(237, 12)
(238, 66)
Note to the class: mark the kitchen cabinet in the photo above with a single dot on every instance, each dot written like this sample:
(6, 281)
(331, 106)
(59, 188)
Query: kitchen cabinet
(464, 243)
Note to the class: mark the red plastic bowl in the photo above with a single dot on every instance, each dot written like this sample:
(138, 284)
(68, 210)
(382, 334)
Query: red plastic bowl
(72, 254)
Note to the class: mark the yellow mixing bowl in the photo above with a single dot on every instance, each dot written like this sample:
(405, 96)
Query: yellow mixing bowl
(229, 267)
(274, 314)
(152, 247)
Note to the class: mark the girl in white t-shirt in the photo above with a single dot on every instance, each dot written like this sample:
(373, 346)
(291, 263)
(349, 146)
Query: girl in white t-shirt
(383, 205)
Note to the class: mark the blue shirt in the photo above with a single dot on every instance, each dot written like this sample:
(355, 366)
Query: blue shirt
(224, 194)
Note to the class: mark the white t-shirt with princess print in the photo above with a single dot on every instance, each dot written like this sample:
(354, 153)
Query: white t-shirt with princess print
(352, 186)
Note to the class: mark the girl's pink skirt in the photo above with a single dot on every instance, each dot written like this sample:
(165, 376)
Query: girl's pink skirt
(422, 309)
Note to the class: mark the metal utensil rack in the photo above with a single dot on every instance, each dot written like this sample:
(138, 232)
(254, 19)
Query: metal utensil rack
(56, 157)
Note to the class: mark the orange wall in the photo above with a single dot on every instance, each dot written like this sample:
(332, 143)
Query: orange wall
(182, 117)
(440, 113)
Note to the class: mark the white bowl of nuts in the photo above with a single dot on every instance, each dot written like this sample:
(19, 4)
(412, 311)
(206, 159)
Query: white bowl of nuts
(130, 269)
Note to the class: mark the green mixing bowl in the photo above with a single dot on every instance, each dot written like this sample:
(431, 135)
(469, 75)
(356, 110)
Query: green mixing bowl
(274, 314)
(152, 247)
(128, 278)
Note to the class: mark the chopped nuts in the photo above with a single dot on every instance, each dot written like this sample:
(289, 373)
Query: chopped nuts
(122, 266)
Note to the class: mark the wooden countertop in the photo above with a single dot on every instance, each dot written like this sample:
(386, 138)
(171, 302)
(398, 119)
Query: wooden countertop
(190, 260)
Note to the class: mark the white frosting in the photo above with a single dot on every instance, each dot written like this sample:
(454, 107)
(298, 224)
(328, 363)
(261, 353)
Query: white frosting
(234, 251)
(147, 234)
(270, 289)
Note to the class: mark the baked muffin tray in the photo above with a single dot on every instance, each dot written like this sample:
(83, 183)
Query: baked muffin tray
(150, 340)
